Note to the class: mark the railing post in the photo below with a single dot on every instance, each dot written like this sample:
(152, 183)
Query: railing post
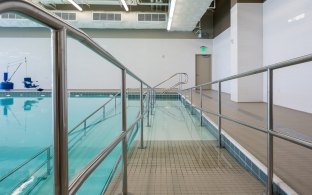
(115, 104)
(180, 80)
(201, 106)
(152, 101)
(191, 97)
(142, 115)
(124, 128)
(148, 108)
(269, 135)
(48, 160)
(127, 97)
(85, 127)
(58, 39)
(219, 112)
(103, 112)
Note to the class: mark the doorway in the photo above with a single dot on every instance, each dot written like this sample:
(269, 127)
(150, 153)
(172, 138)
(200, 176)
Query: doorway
(203, 70)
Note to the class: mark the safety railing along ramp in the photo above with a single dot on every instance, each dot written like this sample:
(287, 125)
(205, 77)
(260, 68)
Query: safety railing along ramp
(59, 32)
(221, 118)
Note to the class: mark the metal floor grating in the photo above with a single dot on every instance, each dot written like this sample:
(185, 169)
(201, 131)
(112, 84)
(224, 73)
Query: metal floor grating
(185, 167)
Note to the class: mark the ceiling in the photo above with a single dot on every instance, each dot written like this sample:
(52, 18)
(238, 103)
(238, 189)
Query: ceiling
(187, 14)
(185, 18)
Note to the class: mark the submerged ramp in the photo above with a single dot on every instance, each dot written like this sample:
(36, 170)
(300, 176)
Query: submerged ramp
(191, 165)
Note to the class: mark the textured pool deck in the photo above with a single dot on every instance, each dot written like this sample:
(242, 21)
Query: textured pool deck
(186, 167)
(182, 158)
(292, 163)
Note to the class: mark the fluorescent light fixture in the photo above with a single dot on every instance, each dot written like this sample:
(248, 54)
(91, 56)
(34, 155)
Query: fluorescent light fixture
(75, 4)
(125, 5)
(171, 11)
(296, 18)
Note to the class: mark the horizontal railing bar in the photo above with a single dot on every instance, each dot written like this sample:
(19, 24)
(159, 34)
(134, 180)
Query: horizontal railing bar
(110, 178)
(244, 124)
(233, 120)
(294, 61)
(87, 171)
(37, 13)
(171, 78)
(209, 112)
(173, 86)
(93, 113)
(274, 133)
(118, 161)
(23, 164)
(291, 139)
(32, 173)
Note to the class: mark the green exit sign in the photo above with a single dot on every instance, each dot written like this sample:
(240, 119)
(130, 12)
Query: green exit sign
(203, 49)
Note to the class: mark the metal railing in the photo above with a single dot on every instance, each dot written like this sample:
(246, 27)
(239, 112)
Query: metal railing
(183, 79)
(269, 130)
(84, 121)
(59, 31)
(49, 148)
(88, 170)
(46, 150)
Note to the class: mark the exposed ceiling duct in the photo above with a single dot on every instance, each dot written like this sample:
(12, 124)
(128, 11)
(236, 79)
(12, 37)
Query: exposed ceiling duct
(106, 2)
(186, 16)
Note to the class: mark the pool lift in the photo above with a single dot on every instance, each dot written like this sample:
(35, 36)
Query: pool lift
(8, 85)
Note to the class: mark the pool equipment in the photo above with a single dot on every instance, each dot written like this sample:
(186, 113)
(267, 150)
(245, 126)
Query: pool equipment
(28, 83)
(8, 85)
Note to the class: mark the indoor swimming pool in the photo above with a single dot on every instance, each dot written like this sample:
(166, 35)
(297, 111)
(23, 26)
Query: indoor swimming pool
(173, 121)
(27, 136)
(26, 140)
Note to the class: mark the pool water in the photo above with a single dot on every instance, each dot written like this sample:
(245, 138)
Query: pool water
(26, 128)
(172, 121)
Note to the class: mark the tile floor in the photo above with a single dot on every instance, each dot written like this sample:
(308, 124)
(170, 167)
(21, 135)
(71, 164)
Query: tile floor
(183, 158)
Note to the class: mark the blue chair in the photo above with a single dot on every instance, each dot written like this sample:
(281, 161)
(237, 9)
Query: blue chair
(28, 83)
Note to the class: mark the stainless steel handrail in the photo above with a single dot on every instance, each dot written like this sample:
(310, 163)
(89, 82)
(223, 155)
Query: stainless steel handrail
(294, 61)
(179, 73)
(87, 171)
(105, 187)
(47, 149)
(111, 175)
(49, 19)
(179, 83)
(59, 31)
(269, 130)
(90, 115)
(173, 87)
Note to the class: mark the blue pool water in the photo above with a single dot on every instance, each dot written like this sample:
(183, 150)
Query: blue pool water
(26, 129)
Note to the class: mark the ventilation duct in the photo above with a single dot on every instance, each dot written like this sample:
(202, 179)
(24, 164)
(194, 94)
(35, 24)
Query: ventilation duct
(96, 20)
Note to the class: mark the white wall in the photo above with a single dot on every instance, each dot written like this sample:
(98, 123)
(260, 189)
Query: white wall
(37, 51)
(221, 59)
(246, 51)
(284, 37)
(151, 59)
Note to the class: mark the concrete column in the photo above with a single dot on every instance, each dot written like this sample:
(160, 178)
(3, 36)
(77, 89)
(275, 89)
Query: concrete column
(246, 51)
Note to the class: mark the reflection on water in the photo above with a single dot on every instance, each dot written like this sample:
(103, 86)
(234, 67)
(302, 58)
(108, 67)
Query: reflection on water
(28, 104)
(6, 103)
